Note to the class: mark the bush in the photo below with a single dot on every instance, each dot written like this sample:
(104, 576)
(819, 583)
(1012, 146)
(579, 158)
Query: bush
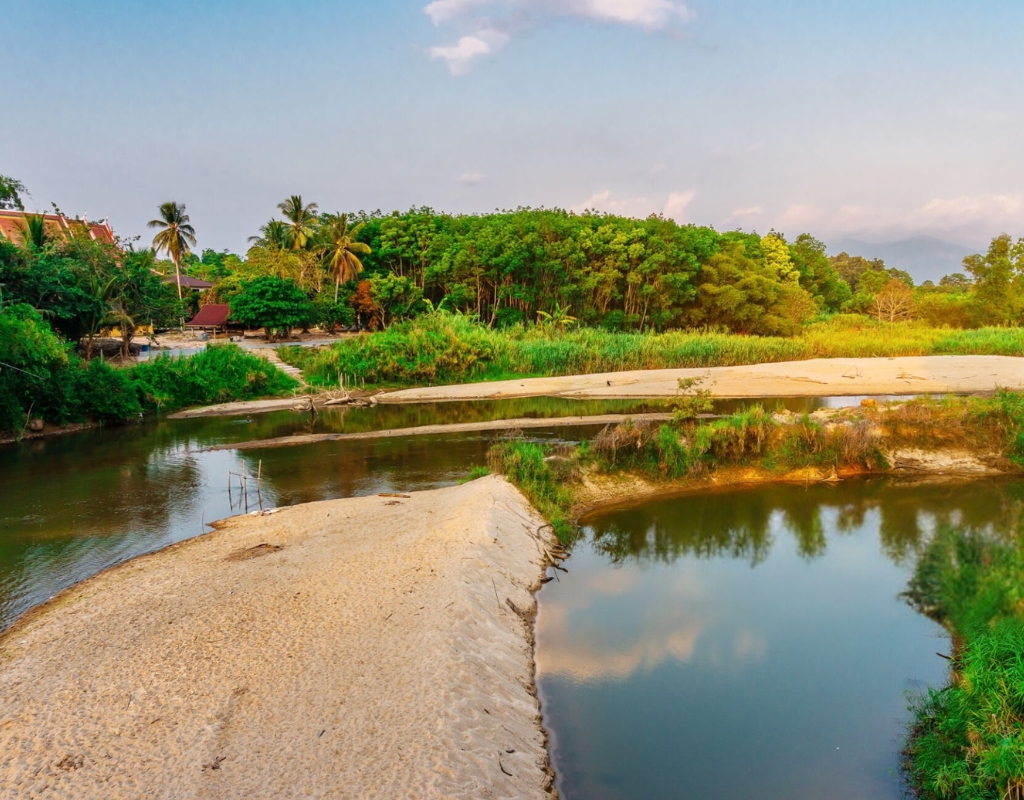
(219, 374)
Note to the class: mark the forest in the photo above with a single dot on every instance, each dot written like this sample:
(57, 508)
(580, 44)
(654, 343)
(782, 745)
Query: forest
(527, 291)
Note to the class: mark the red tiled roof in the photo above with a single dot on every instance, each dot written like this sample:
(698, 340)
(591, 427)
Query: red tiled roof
(212, 315)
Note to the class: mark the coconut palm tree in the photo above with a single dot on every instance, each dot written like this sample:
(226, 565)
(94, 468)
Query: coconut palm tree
(300, 220)
(176, 237)
(343, 250)
(273, 236)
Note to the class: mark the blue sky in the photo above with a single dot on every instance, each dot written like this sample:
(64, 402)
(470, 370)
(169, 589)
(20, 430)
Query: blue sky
(867, 119)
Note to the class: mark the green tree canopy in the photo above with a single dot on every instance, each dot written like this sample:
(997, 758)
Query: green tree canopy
(272, 303)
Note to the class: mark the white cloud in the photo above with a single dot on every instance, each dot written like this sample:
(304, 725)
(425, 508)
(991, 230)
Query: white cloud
(638, 207)
(483, 22)
(443, 10)
(648, 14)
(968, 215)
(471, 178)
(675, 206)
(460, 56)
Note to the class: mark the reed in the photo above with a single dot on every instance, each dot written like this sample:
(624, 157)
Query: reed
(441, 348)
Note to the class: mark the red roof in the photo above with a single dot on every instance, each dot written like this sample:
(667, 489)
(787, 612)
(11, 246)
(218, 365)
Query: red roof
(12, 227)
(212, 315)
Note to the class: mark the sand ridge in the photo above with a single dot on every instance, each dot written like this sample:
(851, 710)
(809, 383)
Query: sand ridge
(813, 378)
(373, 655)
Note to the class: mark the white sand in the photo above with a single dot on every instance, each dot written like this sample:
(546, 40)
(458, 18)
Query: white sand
(372, 656)
(814, 378)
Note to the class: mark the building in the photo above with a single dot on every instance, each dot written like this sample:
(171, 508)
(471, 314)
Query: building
(211, 317)
(13, 224)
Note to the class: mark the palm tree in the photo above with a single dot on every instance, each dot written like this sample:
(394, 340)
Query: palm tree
(343, 250)
(300, 220)
(176, 238)
(273, 236)
(33, 231)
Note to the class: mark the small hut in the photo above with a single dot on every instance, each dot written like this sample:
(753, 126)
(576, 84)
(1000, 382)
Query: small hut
(212, 317)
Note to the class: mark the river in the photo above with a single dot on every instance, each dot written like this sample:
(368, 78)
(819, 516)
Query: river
(741, 643)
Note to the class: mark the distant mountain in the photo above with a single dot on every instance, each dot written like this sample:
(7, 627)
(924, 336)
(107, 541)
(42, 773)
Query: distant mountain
(924, 257)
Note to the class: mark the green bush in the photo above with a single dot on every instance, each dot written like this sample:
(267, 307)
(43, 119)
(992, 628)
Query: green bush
(219, 374)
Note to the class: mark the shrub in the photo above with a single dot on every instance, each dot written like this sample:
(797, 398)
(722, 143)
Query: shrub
(219, 374)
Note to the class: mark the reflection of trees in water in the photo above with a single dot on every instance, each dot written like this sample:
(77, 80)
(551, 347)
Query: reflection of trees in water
(738, 523)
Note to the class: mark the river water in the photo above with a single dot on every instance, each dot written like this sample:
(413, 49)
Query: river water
(749, 643)
(732, 644)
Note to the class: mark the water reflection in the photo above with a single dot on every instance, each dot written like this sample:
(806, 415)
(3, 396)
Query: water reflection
(747, 643)
(710, 525)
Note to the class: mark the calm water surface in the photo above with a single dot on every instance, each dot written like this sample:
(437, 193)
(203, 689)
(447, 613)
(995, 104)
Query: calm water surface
(748, 643)
(73, 505)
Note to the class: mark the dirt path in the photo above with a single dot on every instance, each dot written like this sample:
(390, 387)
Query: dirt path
(344, 649)
(815, 378)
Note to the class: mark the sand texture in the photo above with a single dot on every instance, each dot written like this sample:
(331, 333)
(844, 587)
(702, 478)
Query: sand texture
(814, 378)
(373, 655)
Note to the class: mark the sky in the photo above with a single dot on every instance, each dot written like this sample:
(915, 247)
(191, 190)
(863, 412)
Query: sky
(870, 120)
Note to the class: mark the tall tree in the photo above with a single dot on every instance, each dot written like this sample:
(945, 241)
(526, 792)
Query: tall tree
(343, 250)
(300, 220)
(176, 237)
(10, 193)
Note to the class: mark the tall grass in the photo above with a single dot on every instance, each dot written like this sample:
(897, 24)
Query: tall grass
(967, 741)
(218, 374)
(447, 348)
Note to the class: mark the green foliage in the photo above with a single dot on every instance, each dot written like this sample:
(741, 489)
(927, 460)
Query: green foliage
(968, 738)
(273, 303)
(29, 354)
(543, 474)
(219, 374)
(442, 347)
(476, 472)
(10, 193)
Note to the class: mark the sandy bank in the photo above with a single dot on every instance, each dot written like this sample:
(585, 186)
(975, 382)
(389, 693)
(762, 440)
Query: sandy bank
(300, 403)
(522, 423)
(815, 378)
(372, 655)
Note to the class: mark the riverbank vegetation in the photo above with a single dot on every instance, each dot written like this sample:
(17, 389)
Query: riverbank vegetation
(42, 378)
(529, 292)
(442, 347)
(967, 740)
(860, 440)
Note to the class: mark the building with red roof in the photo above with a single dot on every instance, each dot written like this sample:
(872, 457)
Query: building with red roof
(58, 226)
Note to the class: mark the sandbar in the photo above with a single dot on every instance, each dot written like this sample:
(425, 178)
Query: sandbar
(376, 647)
(813, 378)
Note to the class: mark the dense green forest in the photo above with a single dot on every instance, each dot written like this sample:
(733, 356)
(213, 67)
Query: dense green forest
(598, 270)
(558, 286)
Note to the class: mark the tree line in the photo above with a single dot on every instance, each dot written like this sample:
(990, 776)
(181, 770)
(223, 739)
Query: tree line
(306, 267)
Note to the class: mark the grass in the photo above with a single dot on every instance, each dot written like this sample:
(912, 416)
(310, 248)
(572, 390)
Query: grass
(967, 740)
(218, 374)
(545, 475)
(448, 348)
